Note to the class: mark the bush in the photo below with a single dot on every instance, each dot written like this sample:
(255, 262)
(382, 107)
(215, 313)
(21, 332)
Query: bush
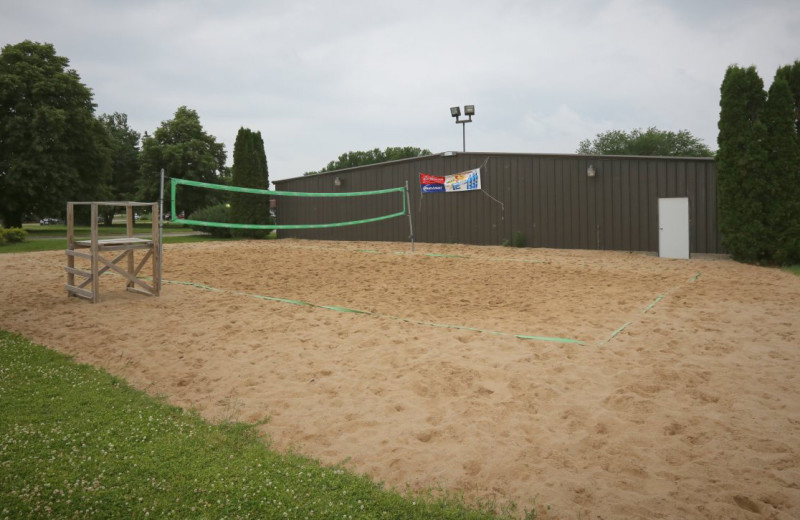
(218, 213)
(11, 235)
(518, 239)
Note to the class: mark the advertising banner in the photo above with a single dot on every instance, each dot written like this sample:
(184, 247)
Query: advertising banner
(464, 181)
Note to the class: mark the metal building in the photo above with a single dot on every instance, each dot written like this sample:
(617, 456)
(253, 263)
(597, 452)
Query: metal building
(555, 201)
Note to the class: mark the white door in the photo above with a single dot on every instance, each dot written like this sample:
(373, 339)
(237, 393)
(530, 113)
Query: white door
(673, 228)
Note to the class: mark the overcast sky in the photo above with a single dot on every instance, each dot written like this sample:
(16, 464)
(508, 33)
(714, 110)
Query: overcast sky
(321, 78)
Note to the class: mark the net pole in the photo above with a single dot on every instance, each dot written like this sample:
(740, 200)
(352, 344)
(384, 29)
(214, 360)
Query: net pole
(408, 211)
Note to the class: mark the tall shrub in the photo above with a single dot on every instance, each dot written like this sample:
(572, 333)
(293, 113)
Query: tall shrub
(741, 162)
(250, 171)
(783, 172)
(791, 73)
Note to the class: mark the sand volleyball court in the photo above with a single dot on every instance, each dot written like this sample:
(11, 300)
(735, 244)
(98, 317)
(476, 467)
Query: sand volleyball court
(600, 384)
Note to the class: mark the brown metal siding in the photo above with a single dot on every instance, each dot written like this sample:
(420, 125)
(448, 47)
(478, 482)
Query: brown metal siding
(549, 198)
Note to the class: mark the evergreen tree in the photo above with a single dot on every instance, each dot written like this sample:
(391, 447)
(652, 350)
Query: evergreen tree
(250, 171)
(783, 174)
(744, 191)
(791, 73)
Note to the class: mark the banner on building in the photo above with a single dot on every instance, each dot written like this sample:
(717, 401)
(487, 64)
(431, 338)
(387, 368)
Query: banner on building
(464, 181)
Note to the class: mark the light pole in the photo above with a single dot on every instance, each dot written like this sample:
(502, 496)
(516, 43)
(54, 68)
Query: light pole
(469, 110)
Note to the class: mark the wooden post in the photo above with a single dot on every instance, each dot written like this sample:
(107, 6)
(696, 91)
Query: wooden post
(94, 250)
(129, 220)
(156, 249)
(70, 246)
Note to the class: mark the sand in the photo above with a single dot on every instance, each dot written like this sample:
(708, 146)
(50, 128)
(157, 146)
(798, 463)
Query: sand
(682, 399)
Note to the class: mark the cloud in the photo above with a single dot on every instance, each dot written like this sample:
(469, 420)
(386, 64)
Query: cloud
(322, 78)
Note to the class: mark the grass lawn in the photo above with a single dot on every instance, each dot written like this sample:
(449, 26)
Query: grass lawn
(54, 244)
(793, 269)
(54, 231)
(77, 442)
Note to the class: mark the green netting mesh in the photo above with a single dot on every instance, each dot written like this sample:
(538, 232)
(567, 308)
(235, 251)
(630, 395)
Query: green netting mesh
(177, 182)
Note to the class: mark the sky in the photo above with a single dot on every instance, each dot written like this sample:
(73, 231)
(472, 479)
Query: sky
(321, 78)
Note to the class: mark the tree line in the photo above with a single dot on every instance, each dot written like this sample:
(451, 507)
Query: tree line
(362, 158)
(54, 149)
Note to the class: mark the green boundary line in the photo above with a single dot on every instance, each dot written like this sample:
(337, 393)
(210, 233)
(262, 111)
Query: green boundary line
(176, 182)
(356, 311)
(650, 306)
(658, 299)
(614, 334)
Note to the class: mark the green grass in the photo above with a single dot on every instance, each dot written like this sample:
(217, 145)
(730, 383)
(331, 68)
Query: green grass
(37, 230)
(54, 244)
(793, 269)
(77, 442)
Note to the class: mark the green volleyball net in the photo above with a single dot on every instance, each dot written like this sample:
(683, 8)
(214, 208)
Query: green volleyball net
(175, 183)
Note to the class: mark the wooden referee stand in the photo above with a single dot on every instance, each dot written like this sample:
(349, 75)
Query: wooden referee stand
(123, 263)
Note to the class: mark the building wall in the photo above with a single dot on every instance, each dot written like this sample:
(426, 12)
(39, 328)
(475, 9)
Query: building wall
(548, 198)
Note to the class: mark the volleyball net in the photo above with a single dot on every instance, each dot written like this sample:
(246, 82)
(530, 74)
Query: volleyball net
(175, 183)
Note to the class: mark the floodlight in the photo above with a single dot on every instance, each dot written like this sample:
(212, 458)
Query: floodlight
(469, 111)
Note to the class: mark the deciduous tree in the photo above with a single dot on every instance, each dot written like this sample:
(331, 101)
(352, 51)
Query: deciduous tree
(374, 156)
(648, 142)
(124, 143)
(52, 147)
(184, 150)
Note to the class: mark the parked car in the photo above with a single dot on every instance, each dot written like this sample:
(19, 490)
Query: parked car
(48, 221)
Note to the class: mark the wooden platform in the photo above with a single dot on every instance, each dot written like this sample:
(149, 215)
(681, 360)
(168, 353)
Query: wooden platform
(89, 287)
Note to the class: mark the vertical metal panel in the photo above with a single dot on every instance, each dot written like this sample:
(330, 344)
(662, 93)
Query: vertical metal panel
(616, 205)
(712, 227)
(624, 204)
(688, 173)
(592, 225)
(583, 205)
(641, 195)
(605, 217)
(635, 207)
(568, 169)
(652, 205)
(508, 222)
(517, 200)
